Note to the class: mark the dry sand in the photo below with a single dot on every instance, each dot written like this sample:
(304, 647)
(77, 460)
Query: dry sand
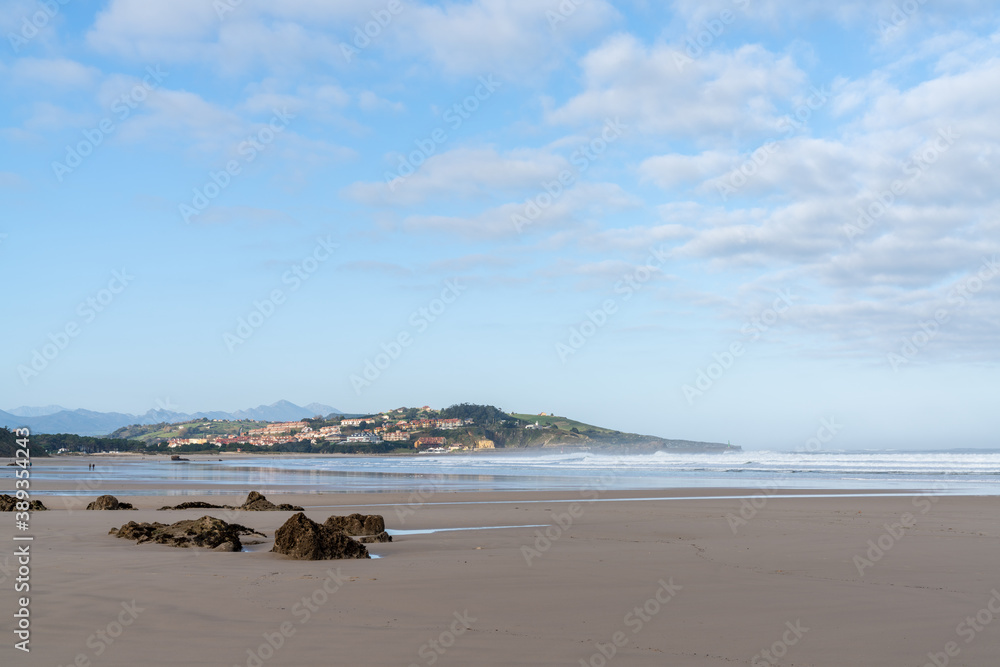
(724, 596)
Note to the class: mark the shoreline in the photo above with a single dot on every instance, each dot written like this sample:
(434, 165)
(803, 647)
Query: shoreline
(286, 474)
(503, 451)
(198, 492)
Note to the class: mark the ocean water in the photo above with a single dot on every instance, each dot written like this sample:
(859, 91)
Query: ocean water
(943, 472)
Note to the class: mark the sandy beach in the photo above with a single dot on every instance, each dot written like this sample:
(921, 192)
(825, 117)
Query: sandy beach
(607, 578)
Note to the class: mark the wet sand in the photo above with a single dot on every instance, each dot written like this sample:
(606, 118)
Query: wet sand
(637, 582)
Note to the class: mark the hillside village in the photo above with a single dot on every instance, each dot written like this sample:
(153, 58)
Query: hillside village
(421, 429)
(458, 428)
(390, 426)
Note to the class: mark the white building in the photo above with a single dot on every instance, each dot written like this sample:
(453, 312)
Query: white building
(364, 437)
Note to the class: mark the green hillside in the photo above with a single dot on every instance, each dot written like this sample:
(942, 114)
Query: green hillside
(8, 444)
(198, 428)
(53, 442)
(520, 431)
(562, 423)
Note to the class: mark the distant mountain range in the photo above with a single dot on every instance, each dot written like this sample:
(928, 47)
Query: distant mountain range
(56, 419)
(25, 411)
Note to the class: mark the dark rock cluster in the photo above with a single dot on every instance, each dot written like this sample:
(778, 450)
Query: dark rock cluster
(194, 505)
(206, 532)
(9, 504)
(302, 538)
(367, 528)
(358, 524)
(109, 503)
(255, 502)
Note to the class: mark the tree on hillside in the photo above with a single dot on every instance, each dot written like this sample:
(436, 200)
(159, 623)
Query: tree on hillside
(480, 414)
(8, 445)
(53, 442)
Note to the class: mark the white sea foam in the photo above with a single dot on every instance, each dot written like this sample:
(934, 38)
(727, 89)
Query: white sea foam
(940, 463)
(970, 473)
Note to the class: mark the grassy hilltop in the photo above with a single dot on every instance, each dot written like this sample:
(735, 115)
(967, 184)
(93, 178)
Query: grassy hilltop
(557, 431)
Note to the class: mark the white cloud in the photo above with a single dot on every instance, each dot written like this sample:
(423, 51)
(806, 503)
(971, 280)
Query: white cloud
(339, 14)
(321, 100)
(192, 31)
(859, 14)
(785, 222)
(286, 48)
(665, 93)
(60, 73)
(213, 134)
(464, 173)
(180, 116)
(46, 117)
(510, 37)
(574, 208)
(794, 168)
(937, 102)
(13, 181)
(668, 171)
(369, 101)
(152, 30)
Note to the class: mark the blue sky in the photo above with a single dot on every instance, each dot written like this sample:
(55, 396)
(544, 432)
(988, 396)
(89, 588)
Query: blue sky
(714, 220)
